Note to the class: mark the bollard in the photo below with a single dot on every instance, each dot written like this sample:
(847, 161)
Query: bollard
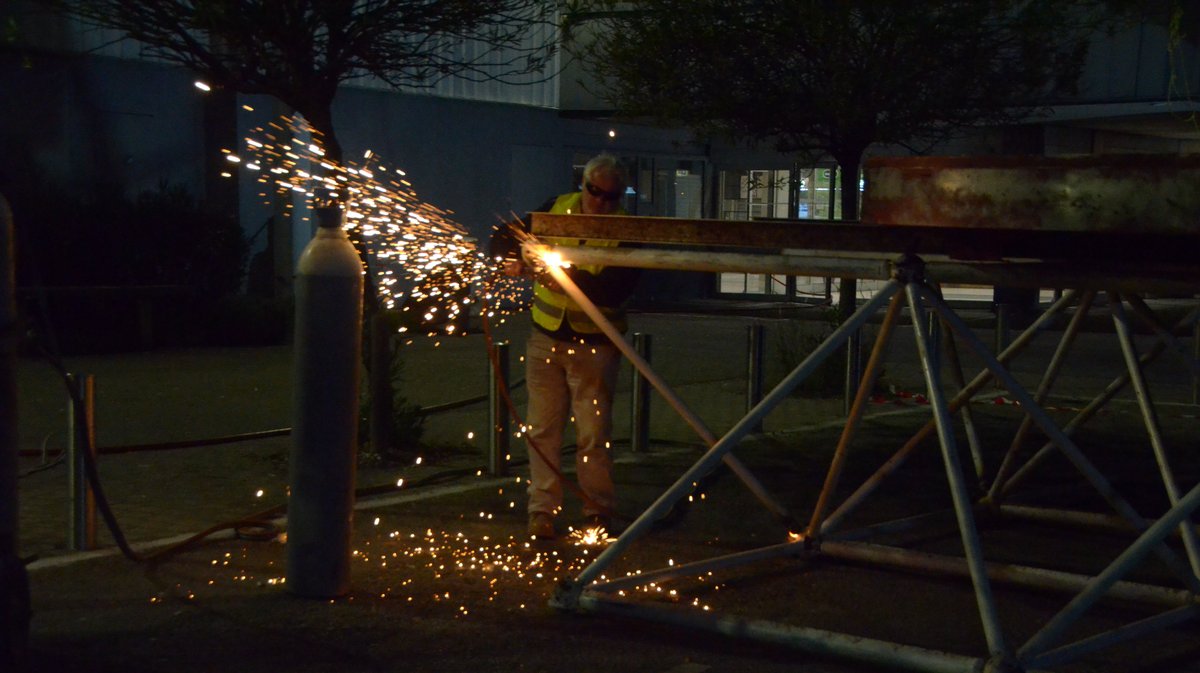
(1002, 327)
(1196, 357)
(755, 347)
(934, 329)
(1001, 334)
(14, 580)
(853, 370)
(639, 416)
(329, 299)
(81, 429)
(498, 442)
(381, 410)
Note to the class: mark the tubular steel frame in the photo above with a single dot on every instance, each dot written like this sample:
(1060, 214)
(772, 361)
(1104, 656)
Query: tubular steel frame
(909, 286)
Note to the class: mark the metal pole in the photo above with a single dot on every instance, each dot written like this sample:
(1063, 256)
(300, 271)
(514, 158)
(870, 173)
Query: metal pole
(1052, 370)
(1089, 471)
(1001, 573)
(735, 465)
(875, 653)
(1072, 517)
(14, 580)
(1143, 627)
(954, 477)
(1093, 407)
(329, 306)
(855, 415)
(1146, 315)
(1122, 565)
(935, 332)
(1001, 331)
(968, 416)
(381, 421)
(698, 568)
(1196, 358)
(81, 523)
(1150, 417)
(754, 369)
(498, 419)
(853, 370)
(963, 397)
(639, 413)
(719, 450)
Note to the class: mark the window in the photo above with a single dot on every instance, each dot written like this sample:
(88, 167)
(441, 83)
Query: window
(800, 193)
(754, 194)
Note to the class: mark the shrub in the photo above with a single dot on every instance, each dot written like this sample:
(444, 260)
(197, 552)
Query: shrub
(408, 424)
(169, 262)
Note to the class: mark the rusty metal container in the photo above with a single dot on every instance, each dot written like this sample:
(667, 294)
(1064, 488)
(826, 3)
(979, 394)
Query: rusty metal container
(1129, 193)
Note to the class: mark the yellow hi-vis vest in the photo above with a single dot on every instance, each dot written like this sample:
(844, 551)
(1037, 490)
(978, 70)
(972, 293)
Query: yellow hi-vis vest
(551, 307)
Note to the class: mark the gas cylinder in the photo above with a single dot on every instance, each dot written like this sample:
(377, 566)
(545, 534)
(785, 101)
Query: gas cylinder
(328, 337)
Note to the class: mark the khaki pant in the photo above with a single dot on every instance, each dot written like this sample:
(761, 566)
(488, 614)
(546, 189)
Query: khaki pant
(570, 378)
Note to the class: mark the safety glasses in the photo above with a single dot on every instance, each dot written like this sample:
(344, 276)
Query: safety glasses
(601, 194)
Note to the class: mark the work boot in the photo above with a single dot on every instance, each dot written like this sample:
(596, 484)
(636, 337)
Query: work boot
(541, 525)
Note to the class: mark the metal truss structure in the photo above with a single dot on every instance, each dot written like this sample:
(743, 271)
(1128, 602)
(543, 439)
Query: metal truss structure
(914, 261)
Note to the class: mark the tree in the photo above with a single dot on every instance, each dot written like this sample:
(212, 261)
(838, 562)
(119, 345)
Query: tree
(300, 51)
(836, 76)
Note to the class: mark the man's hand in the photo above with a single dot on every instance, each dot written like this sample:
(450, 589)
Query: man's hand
(532, 261)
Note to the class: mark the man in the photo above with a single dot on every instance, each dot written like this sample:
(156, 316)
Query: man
(570, 365)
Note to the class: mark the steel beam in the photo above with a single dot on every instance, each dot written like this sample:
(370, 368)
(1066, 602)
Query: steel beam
(1092, 194)
(1128, 249)
(877, 266)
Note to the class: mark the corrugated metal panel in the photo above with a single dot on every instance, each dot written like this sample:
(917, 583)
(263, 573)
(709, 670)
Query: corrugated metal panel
(539, 93)
(537, 89)
(94, 41)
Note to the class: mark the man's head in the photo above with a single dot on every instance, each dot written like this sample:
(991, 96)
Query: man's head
(604, 182)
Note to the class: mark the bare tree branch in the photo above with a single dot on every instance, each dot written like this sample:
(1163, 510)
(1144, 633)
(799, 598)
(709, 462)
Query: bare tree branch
(299, 51)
